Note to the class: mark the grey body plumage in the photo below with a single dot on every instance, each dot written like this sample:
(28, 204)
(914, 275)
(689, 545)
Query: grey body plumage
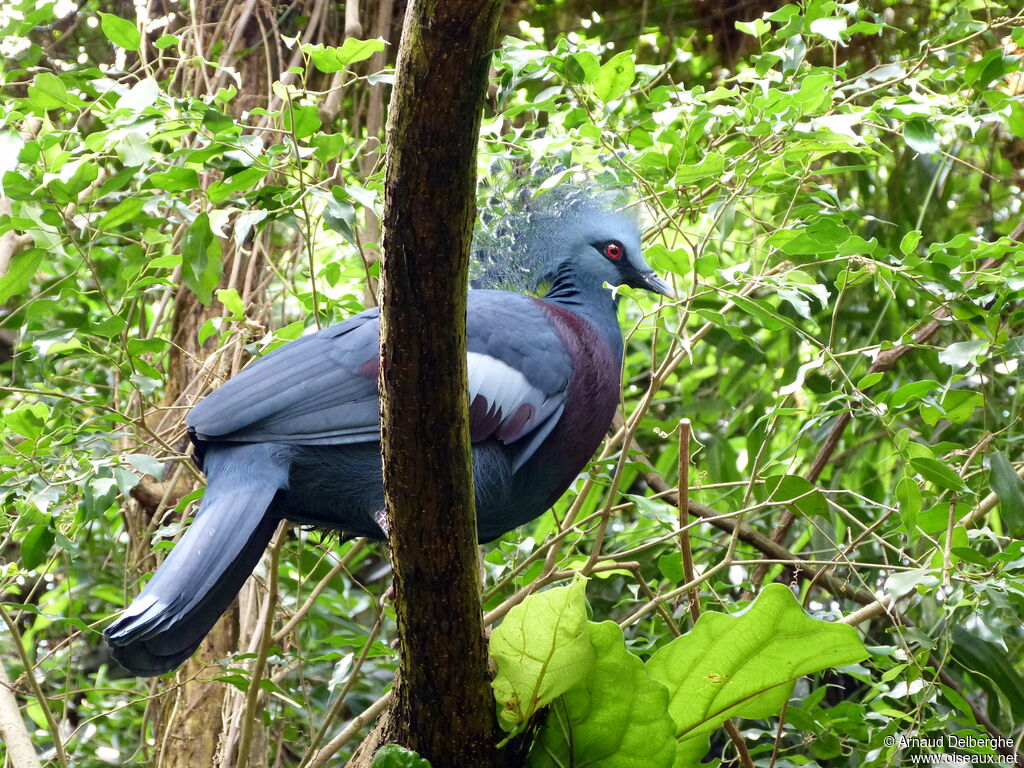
(295, 435)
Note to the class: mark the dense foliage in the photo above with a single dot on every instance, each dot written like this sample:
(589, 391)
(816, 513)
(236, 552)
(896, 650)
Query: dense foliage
(840, 211)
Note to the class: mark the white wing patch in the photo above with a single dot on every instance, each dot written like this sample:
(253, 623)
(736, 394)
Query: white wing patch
(499, 383)
(505, 406)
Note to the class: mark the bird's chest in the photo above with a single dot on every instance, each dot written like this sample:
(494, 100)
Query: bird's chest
(592, 394)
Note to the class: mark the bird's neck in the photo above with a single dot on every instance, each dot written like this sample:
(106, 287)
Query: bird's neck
(591, 300)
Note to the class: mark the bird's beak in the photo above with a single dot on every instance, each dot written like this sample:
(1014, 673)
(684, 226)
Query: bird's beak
(651, 282)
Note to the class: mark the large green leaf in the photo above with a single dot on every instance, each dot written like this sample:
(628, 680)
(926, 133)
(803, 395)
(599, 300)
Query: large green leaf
(617, 717)
(47, 91)
(746, 665)
(542, 649)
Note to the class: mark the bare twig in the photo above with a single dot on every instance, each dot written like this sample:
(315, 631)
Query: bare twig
(683, 507)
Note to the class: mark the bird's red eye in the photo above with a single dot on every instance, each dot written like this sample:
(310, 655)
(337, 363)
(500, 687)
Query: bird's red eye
(613, 251)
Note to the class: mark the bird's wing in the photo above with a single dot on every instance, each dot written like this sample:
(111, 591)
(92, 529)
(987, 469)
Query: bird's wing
(319, 389)
(519, 371)
(322, 389)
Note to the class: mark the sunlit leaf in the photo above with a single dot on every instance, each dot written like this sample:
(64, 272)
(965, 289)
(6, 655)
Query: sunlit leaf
(542, 649)
(120, 32)
(746, 665)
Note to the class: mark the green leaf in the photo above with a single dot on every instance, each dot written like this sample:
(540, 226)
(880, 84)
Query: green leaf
(756, 28)
(28, 420)
(921, 137)
(615, 77)
(239, 182)
(615, 718)
(109, 326)
(754, 307)
(909, 242)
(1009, 488)
(662, 259)
(141, 95)
(939, 474)
(394, 756)
(67, 191)
(541, 649)
(232, 301)
(819, 237)
(125, 479)
(958, 405)
(1015, 120)
(304, 117)
(815, 93)
(20, 271)
(901, 582)
(908, 494)
(175, 179)
(340, 217)
(120, 32)
(915, 390)
(121, 213)
(798, 495)
(829, 28)
(982, 71)
(963, 353)
(710, 166)
(328, 59)
(36, 546)
(200, 254)
(957, 538)
(146, 464)
(209, 328)
(746, 665)
(582, 67)
(47, 92)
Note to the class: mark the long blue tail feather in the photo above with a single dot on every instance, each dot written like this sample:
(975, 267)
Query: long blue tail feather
(207, 567)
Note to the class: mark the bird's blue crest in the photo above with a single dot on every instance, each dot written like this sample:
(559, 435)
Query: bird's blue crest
(518, 241)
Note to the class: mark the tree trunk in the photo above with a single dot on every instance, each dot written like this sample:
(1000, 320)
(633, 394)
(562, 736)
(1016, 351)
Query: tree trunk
(429, 210)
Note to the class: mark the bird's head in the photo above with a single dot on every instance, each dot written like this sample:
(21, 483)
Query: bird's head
(580, 233)
(602, 245)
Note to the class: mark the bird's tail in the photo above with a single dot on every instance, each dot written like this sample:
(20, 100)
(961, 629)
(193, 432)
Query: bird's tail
(207, 567)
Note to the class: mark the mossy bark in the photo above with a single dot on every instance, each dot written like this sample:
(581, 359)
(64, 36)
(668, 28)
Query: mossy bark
(433, 127)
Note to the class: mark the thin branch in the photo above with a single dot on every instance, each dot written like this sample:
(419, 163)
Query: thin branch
(350, 731)
(266, 637)
(12, 727)
(37, 691)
